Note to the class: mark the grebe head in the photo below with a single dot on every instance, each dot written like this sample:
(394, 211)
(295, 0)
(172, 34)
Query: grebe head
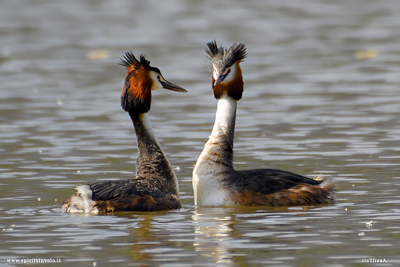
(227, 75)
(140, 81)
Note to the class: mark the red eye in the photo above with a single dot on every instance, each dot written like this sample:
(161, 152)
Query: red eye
(158, 77)
(229, 71)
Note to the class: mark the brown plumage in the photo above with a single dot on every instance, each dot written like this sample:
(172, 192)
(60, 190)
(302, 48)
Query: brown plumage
(136, 94)
(215, 181)
(155, 186)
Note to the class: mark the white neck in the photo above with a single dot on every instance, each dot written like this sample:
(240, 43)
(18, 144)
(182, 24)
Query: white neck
(215, 162)
(225, 117)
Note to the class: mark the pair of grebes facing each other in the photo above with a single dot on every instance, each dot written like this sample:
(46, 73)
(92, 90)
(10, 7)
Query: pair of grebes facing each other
(215, 181)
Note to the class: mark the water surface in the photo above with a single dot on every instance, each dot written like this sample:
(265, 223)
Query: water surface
(321, 98)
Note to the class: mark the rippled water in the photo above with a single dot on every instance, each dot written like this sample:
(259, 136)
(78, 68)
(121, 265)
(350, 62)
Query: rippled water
(321, 98)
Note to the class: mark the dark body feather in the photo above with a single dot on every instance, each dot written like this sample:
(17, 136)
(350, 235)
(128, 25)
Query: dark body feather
(138, 194)
(275, 187)
(268, 181)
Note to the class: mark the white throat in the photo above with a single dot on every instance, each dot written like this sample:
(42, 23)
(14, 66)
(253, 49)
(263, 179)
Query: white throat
(225, 116)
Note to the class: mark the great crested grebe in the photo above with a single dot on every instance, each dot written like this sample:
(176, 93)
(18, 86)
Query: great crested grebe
(155, 186)
(215, 181)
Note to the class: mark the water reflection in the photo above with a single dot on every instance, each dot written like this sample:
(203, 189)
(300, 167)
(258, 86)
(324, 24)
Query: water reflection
(214, 229)
(145, 239)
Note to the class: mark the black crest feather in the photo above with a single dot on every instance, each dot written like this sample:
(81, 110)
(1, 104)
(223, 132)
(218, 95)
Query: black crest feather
(224, 57)
(130, 61)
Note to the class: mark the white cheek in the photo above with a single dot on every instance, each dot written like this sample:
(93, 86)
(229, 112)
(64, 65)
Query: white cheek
(231, 74)
(156, 83)
(228, 78)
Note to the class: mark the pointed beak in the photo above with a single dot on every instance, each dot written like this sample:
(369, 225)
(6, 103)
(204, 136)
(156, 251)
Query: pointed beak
(220, 78)
(173, 87)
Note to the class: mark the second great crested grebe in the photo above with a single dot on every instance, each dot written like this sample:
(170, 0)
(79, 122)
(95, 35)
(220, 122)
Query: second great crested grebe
(215, 181)
(155, 186)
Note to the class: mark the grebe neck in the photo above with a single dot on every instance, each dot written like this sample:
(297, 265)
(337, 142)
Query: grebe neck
(219, 148)
(151, 162)
(215, 162)
(220, 142)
